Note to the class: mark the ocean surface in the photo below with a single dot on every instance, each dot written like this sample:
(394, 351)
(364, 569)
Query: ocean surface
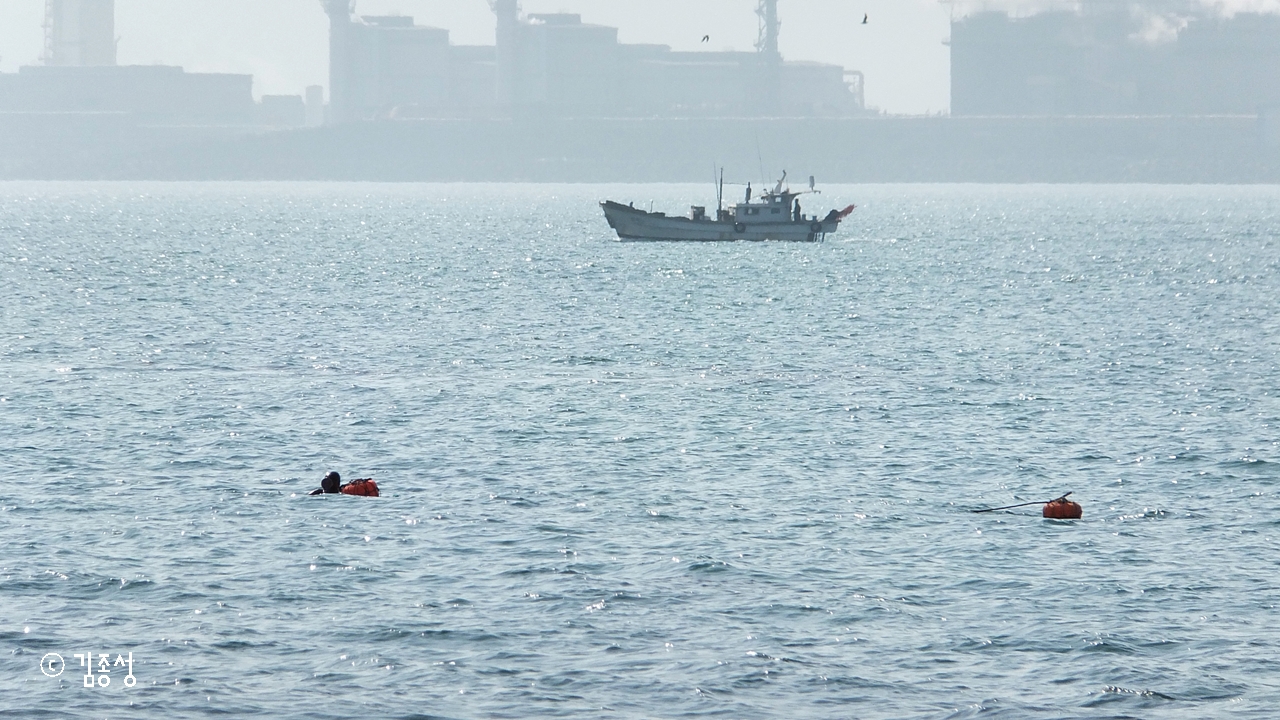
(634, 480)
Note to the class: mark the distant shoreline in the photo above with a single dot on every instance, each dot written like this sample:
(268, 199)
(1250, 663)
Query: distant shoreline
(1136, 149)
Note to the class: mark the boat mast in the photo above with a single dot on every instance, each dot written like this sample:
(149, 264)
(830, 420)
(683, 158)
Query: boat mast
(720, 195)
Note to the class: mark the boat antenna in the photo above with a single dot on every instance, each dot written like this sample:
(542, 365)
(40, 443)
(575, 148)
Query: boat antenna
(720, 195)
(714, 173)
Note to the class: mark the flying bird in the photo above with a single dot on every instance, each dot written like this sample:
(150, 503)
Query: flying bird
(706, 38)
(864, 18)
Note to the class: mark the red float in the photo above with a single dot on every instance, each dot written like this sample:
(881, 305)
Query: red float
(1063, 509)
(363, 486)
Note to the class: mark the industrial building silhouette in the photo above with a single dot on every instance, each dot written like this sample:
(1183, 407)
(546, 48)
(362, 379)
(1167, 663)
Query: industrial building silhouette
(1106, 91)
(1103, 58)
(388, 67)
(553, 63)
(79, 74)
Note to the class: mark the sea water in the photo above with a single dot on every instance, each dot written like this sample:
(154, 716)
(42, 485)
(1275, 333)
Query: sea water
(637, 480)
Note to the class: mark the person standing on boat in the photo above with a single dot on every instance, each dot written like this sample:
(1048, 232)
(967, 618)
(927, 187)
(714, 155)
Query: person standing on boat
(797, 216)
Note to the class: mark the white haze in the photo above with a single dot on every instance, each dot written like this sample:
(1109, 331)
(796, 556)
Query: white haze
(1227, 9)
(1164, 8)
(283, 42)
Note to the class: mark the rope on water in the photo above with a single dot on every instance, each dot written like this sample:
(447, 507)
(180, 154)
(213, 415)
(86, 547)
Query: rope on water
(1010, 507)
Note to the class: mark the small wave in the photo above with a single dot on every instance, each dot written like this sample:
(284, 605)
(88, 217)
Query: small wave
(1246, 462)
(1146, 514)
(139, 585)
(1117, 690)
(243, 645)
(1110, 646)
(708, 565)
(584, 360)
(556, 529)
(462, 636)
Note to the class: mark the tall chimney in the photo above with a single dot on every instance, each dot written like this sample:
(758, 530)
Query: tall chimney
(508, 50)
(79, 32)
(341, 60)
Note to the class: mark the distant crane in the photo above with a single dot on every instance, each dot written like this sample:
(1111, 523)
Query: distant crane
(768, 91)
(767, 43)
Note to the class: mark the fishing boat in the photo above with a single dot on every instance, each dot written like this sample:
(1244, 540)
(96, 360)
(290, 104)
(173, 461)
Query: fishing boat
(775, 215)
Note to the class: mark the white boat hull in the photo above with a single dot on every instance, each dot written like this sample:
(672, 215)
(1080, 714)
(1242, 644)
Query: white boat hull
(633, 224)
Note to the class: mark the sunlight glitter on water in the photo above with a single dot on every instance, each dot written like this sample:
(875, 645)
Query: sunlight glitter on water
(740, 488)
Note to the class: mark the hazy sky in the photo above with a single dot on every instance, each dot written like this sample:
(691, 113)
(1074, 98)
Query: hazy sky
(283, 43)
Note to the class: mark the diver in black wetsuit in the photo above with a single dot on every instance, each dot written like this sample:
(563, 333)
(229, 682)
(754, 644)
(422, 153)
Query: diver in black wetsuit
(329, 485)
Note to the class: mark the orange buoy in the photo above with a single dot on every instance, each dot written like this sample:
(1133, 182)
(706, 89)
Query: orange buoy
(1063, 509)
(363, 486)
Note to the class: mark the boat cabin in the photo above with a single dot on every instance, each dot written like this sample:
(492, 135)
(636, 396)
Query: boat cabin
(778, 205)
(773, 207)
